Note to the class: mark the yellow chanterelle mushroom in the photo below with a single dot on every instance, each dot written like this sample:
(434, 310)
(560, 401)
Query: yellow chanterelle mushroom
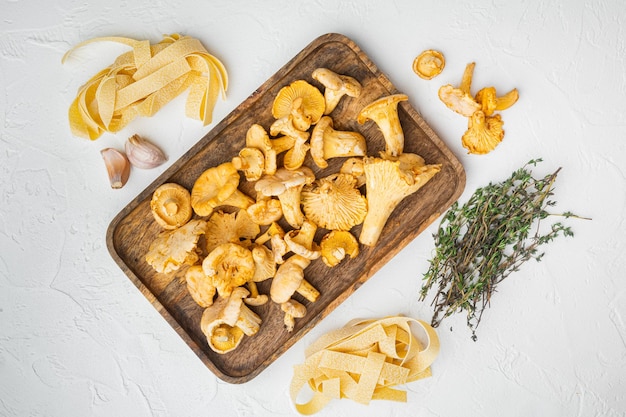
(384, 112)
(235, 227)
(289, 279)
(338, 244)
(387, 183)
(327, 143)
(229, 266)
(217, 186)
(483, 133)
(335, 87)
(300, 101)
(334, 202)
(174, 248)
(227, 321)
(200, 286)
(171, 205)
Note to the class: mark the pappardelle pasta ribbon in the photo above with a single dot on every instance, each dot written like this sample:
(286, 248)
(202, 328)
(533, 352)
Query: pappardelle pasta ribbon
(140, 82)
(364, 360)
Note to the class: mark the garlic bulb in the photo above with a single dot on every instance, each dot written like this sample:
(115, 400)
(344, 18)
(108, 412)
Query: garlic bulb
(143, 154)
(117, 165)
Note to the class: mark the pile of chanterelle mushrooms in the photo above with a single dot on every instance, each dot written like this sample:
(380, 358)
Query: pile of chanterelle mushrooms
(247, 245)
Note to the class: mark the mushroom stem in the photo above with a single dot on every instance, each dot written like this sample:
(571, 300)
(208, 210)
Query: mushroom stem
(308, 291)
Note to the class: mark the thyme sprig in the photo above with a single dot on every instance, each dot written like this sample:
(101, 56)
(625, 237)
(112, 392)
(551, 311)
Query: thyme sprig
(482, 242)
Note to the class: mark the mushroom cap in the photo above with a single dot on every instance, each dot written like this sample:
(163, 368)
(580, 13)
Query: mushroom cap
(293, 308)
(317, 141)
(483, 134)
(336, 245)
(283, 180)
(221, 337)
(213, 187)
(264, 265)
(236, 227)
(334, 202)
(336, 86)
(299, 96)
(171, 205)
(220, 321)
(199, 286)
(300, 241)
(294, 157)
(251, 161)
(487, 99)
(354, 167)
(257, 137)
(265, 211)
(288, 278)
(429, 64)
(172, 249)
(458, 100)
(380, 107)
(229, 265)
(490, 102)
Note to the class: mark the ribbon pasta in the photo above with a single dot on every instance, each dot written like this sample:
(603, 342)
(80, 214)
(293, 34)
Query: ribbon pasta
(140, 82)
(364, 361)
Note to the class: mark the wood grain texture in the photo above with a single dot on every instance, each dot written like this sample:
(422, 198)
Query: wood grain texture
(133, 229)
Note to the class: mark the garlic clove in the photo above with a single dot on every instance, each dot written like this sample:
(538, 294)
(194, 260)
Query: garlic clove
(143, 153)
(117, 165)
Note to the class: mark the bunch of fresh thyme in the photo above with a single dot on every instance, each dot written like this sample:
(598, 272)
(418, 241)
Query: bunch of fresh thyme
(480, 243)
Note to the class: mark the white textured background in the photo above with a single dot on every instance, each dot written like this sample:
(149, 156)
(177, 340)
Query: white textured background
(78, 339)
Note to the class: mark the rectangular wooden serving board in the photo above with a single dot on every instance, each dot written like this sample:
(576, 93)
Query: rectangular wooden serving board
(131, 232)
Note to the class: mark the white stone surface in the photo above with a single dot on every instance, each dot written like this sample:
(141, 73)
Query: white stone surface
(78, 339)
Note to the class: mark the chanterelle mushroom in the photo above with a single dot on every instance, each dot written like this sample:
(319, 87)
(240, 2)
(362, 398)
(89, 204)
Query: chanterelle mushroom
(264, 268)
(335, 87)
(300, 241)
(226, 321)
(301, 101)
(287, 185)
(354, 167)
(200, 286)
(294, 158)
(174, 248)
(458, 100)
(251, 161)
(293, 310)
(490, 102)
(265, 211)
(257, 137)
(387, 185)
(218, 186)
(326, 143)
(429, 64)
(384, 112)
(483, 134)
(235, 227)
(289, 279)
(334, 202)
(336, 245)
(229, 266)
(171, 205)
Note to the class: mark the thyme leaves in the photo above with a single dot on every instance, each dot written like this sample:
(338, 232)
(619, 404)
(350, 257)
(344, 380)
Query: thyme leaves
(480, 243)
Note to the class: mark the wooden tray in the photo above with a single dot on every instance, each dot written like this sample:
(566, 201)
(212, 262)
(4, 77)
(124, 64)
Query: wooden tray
(133, 229)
